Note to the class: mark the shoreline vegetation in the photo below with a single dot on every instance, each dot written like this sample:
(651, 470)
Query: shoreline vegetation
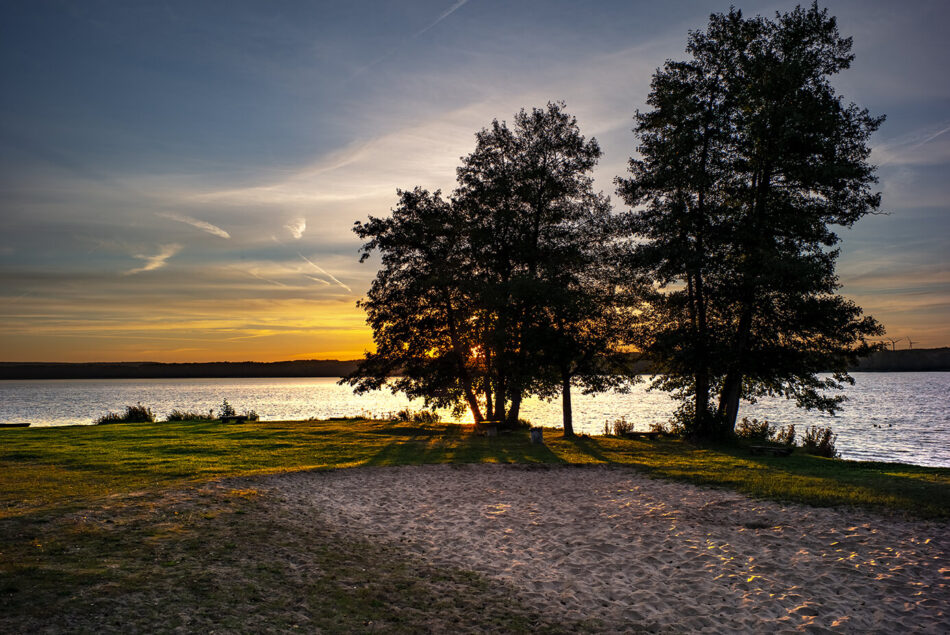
(194, 525)
(908, 360)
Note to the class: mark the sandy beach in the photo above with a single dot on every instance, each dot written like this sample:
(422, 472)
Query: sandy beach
(635, 553)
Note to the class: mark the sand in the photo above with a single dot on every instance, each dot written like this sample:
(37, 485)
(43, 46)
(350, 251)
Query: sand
(613, 545)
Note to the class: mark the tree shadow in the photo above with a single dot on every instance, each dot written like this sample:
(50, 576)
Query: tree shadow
(459, 444)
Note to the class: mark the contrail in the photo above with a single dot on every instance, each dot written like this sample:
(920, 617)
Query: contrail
(324, 272)
(455, 7)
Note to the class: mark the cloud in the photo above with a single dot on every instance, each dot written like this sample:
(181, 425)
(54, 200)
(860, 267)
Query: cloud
(324, 272)
(316, 279)
(194, 222)
(157, 261)
(924, 146)
(455, 7)
(296, 227)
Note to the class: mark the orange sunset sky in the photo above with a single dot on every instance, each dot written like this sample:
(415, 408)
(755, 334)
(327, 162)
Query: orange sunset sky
(178, 181)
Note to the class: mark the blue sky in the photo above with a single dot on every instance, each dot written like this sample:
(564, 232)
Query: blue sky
(178, 180)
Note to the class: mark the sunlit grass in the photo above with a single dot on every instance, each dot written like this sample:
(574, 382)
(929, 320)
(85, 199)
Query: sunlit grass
(52, 467)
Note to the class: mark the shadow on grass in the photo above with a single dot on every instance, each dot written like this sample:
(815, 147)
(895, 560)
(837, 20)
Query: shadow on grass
(916, 489)
(458, 444)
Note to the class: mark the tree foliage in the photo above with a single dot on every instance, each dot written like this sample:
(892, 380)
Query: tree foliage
(748, 159)
(507, 288)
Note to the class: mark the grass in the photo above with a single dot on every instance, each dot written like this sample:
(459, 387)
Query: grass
(55, 467)
(129, 528)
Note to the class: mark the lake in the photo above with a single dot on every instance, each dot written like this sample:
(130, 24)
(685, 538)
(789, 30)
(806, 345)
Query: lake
(901, 417)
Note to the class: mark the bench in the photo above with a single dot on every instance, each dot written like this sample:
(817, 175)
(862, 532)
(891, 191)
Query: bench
(652, 436)
(234, 419)
(773, 450)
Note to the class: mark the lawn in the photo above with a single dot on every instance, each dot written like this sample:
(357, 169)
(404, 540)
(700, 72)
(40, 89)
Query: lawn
(130, 527)
(45, 468)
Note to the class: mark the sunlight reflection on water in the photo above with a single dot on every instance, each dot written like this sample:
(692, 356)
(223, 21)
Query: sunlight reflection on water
(889, 416)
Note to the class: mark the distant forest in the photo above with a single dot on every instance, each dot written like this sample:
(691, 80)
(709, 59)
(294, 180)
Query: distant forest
(157, 370)
(922, 359)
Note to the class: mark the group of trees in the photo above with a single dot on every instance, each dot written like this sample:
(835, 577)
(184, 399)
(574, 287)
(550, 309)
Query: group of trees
(505, 289)
(525, 281)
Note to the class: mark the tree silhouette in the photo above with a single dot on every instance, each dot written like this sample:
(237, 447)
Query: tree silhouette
(748, 158)
(506, 289)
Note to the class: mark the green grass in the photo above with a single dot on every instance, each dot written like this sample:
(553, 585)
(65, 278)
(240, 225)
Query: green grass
(127, 527)
(55, 467)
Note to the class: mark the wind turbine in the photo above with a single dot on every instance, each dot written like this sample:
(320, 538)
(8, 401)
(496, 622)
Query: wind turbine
(893, 342)
(910, 343)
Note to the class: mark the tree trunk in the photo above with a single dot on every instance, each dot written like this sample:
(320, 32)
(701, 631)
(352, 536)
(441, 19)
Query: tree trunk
(567, 416)
(729, 402)
(514, 410)
(732, 385)
(500, 393)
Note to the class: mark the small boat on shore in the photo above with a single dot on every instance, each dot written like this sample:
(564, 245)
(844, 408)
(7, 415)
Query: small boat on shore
(14, 425)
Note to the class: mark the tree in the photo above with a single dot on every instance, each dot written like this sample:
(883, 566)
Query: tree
(420, 306)
(748, 160)
(496, 294)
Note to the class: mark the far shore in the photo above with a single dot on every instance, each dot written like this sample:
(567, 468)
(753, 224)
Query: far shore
(913, 360)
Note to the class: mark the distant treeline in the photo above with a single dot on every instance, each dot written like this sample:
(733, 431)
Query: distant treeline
(923, 359)
(154, 370)
(918, 359)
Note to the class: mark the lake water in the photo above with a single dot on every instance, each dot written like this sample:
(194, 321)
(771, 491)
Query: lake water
(889, 416)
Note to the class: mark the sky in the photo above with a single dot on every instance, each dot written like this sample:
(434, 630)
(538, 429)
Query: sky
(179, 180)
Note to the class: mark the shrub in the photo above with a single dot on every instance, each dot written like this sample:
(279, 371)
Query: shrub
(406, 415)
(226, 410)
(754, 430)
(251, 415)
(786, 435)
(617, 427)
(109, 417)
(133, 414)
(820, 442)
(426, 416)
(186, 415)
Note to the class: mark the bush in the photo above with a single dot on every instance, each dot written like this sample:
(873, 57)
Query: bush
(251, 415)
(786, 435)
(618, 427)
(406, 415)
(820, 442)
(754, 430)
(226, 410)
(133, 414)
(186, 415)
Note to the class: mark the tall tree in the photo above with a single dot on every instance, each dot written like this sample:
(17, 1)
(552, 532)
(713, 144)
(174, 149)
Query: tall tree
(501, 291)
(420, 305)
(748, 160)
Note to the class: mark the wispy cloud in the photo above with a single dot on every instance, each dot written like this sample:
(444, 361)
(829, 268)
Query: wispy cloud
(316, 279)
(925, 146)
(194, 222)
(455, 7)
(296, 227)
(157, 261)
(324, 272)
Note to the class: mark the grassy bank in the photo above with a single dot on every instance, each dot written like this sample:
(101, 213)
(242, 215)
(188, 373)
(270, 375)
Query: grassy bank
(124, 528)
(56, 467)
